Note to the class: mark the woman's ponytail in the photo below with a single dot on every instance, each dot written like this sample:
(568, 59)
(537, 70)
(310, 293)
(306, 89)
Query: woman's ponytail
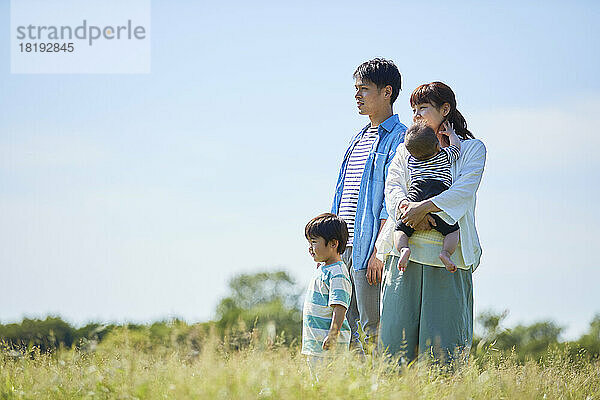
(460, 124)
(438, 93)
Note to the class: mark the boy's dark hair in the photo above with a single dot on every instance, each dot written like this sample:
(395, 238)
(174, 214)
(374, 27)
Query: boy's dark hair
(381, 72)
(328, 226)
(421, 141)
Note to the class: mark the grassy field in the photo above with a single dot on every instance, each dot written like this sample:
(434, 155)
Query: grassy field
(130, 368)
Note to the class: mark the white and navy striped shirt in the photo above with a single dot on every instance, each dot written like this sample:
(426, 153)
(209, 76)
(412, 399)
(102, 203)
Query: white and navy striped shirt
(436, 167)
(354, 173)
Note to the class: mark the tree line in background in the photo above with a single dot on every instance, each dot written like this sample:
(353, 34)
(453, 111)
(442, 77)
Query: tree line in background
(266, 308)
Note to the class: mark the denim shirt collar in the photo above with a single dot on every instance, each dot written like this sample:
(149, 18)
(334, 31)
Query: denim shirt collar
(387, 125)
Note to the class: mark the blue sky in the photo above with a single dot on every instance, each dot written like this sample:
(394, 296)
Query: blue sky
(136, 197)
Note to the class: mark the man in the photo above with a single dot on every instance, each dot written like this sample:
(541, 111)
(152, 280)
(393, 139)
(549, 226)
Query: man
(359, 198)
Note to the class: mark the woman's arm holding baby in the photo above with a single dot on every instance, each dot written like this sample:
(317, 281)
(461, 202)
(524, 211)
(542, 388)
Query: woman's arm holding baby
(396, 190)
(457, 198)
(413, 213)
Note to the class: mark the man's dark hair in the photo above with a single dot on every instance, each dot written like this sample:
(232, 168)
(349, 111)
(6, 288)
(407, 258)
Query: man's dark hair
(328, 226)
(421, 141)
(381, 72)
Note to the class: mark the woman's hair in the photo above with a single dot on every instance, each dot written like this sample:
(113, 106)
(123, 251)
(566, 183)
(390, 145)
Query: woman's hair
(328, 226)
(438, 93)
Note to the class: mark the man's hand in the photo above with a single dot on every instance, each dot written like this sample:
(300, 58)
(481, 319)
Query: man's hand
(374, 269)
(374, 266)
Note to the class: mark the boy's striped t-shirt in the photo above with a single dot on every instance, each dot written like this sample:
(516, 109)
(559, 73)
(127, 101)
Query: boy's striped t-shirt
(353, 177)
(330, 285)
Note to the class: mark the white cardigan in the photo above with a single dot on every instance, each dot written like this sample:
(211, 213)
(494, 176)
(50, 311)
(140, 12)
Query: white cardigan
(457, 203)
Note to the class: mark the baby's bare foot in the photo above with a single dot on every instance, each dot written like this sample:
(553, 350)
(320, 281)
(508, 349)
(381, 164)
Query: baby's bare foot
(445, 257)
(404, 254)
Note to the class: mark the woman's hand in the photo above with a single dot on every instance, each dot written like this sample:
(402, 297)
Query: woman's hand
(415, 212)
(426, 224)
(401, 207)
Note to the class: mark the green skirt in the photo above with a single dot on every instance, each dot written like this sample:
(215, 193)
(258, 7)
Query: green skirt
(426, 310)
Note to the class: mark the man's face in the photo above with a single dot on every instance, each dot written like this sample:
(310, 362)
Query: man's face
(369, 99)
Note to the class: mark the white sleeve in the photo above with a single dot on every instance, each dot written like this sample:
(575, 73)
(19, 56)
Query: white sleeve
(396, 185)
(457, 199)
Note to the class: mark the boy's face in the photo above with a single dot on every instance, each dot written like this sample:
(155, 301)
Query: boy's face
(320, 251)
(369, 99)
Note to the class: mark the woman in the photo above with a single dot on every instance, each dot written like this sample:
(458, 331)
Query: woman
(427, 309)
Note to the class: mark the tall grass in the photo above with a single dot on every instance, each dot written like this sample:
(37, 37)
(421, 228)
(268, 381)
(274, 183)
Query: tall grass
(127, 366)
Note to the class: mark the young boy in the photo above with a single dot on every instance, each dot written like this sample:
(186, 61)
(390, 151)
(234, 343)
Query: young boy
(429, 169)
(328, 295)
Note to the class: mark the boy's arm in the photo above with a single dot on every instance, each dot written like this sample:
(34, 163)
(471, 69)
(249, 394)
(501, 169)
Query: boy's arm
(454, 139)
(339, 313)
(452, 136)
(448, 130)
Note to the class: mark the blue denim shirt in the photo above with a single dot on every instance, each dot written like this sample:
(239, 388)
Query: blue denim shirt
(371, 204)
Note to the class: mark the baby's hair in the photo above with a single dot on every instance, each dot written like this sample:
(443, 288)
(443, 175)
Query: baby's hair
(421, 141)
(328, 226)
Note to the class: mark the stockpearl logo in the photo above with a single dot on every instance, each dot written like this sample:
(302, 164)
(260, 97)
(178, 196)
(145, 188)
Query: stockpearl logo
(74, 36)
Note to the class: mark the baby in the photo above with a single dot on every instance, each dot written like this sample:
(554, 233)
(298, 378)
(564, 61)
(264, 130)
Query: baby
(429, 170)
